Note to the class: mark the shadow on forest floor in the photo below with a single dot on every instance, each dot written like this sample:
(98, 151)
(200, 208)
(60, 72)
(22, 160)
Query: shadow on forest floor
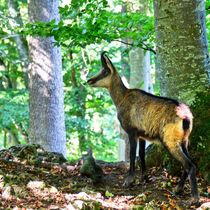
(31, 178)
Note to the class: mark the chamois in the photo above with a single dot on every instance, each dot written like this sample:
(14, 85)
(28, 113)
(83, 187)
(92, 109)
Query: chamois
(148, 117)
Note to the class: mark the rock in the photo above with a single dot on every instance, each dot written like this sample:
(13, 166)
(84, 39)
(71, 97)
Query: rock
(7, 192)
(158, 156)
(36, 185)
(90, 169)
(154, 155)
(204, 206)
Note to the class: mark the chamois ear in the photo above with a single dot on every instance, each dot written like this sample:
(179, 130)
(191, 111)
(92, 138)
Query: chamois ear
(106, 62)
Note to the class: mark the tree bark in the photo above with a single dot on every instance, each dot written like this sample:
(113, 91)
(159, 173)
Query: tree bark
(140, 73)
(80, 98)
(123, 144)
(46, 103)
(182, 52)
(148, 84)
(136, 58)
(20, 41)
(139, 60)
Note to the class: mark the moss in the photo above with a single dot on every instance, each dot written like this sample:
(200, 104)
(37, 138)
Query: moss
(200, 138)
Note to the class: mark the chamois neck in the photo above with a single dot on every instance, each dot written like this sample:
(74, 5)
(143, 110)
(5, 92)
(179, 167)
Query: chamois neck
(117, 90)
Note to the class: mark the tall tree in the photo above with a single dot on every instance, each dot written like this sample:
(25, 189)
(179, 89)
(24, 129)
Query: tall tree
(21, 43)
(80, 94)
(45, 82)
(140, 73)
(182, 52)
(139, 60)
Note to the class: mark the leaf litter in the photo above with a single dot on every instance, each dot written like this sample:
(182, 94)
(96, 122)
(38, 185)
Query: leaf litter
(44, 180)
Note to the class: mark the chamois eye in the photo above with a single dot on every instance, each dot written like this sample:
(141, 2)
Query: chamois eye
(105, 72)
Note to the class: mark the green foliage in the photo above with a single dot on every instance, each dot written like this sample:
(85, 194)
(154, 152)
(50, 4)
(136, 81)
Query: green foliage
(86, 27)
(95, 126)
(86, 109)
(14, 112)
(200, 138)
(86, 23)
(13, 108)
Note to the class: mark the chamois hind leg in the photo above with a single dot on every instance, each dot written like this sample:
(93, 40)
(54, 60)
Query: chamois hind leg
(180, 186)
(142, 144)
(176, 149)
(130, 179)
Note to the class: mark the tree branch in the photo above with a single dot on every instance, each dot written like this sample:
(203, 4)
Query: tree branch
(10, 36)
(142, 46)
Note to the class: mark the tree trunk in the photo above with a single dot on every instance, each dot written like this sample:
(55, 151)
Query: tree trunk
(20, 41)
(182, 53)
(139, 72)
(136, 58)
(46, 104)
(148, 84)
(123, 144)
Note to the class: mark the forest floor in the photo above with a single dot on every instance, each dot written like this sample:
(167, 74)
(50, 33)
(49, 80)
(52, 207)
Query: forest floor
(44, 183)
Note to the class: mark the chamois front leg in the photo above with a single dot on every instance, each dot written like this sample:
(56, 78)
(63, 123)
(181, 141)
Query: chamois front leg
(142, 145)
(130, 179)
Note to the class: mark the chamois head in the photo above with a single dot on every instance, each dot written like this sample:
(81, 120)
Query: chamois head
(104, 77)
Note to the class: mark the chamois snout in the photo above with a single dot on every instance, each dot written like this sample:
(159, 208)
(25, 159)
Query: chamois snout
(102, 79)
(90, 82)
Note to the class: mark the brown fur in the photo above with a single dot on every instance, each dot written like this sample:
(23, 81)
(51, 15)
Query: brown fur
(145, 116)
(140, 111)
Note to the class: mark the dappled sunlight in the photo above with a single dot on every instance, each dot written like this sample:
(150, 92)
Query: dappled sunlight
(50, 51)
(52, 184)
(41, 65)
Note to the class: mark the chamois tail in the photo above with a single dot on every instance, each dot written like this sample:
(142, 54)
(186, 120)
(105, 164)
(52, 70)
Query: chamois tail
(186, 124)
(185, 114)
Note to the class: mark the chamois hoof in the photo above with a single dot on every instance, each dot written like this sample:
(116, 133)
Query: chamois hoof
(129, 180)
(195, 201)
(144, 178)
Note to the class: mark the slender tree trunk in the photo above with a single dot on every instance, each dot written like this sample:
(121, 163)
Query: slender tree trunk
(182, 53)
(2, 77)
(20, 41)
(80, 96)
(136, 57)
(139, 60)
(46, 104)
(148, 84)
(124, 155)
(12, 137)
(140, 72)
(123, 144)
(5, 138)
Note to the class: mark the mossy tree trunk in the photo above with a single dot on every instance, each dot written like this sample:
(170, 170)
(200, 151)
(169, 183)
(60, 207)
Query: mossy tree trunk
(182, 53)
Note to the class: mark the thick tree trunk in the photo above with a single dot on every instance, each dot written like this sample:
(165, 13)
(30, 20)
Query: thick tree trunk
(182, 53)
(47, 126)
